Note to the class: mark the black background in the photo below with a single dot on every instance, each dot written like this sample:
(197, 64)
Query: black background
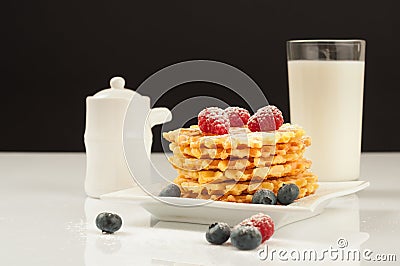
(56, 53)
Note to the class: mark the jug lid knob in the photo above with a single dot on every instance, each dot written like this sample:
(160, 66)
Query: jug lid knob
(117, 83)
(117, 90)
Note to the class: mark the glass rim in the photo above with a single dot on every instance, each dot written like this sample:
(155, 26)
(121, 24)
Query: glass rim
(327, 41)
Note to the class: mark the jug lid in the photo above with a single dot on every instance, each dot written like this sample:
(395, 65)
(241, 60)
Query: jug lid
(117, 90)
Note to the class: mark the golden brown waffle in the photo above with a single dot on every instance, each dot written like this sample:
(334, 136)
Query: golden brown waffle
(194, 164)
(296, 145)
(237, 137)
(233, 166)
(243, 191)
(259, 173)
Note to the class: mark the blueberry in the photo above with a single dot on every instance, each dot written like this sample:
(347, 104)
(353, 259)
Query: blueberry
(108, 223)
(264, 196)
(218, 233)
(246, 237)
(288, 193)
(171, 190)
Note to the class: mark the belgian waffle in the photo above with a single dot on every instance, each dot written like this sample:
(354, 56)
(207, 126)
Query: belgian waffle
(241, 152)
(259, 173)
(240, 143)
(233, 166)
(194, 164)
(236, 138)
(243, 191)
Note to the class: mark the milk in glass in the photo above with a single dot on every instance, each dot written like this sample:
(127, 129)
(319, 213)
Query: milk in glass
(326, 100)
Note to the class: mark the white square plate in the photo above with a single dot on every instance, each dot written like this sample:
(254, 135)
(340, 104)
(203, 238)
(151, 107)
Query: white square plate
(207, 211)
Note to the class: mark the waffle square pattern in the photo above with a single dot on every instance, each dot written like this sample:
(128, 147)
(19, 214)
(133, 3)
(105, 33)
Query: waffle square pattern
(232, 167)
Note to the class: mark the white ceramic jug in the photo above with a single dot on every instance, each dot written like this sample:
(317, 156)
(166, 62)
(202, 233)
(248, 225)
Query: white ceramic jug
(106, 167)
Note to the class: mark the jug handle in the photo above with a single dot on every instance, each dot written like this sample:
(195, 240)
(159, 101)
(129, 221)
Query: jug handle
(159, 115)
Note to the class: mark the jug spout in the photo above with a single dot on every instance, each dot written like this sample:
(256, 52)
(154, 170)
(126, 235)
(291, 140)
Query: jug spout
(159, 115)
(156, 116)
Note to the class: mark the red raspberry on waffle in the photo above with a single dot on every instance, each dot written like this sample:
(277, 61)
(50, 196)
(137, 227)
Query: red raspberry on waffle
(213, 120)
(238, 117)
(267, 118)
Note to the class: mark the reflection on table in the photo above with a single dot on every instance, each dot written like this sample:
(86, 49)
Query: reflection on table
(144, 240)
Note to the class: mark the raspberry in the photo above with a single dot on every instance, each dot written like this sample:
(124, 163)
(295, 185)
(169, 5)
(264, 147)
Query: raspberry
(267, 118)
(238, 117)
(263, 222)
(213, 120)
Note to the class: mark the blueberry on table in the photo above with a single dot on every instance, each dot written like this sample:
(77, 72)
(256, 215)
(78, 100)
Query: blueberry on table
(108, 223)
(264, 196)
(246, 237)
(172, 190)
(218, 233)
(288, 193)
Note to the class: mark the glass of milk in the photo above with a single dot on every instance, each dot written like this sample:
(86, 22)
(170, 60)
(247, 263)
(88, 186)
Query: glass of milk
(326, 79)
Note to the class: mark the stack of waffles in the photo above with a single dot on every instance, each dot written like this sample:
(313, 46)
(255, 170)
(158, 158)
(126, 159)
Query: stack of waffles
(232, 167)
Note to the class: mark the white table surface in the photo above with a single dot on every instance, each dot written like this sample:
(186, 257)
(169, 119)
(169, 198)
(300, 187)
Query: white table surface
(46, 219)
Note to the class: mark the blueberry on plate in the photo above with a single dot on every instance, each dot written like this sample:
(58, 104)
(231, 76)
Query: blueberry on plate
(246, 237)
(264, 196)
(171, 190)
(218, 233)
(287, 193)
(108, 223)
